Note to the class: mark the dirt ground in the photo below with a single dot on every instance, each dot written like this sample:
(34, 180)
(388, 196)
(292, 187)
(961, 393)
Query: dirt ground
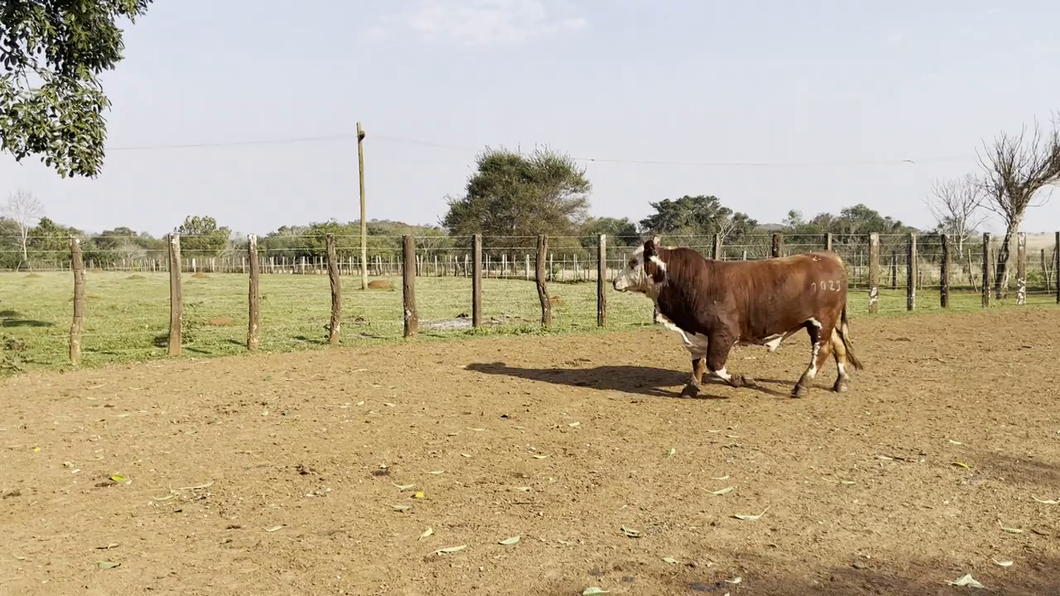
(300, 460)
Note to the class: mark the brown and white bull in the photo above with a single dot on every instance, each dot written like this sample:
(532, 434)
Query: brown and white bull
(715, 305)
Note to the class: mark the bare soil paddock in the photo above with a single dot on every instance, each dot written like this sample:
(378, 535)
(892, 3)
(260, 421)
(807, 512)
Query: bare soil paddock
(861, 493)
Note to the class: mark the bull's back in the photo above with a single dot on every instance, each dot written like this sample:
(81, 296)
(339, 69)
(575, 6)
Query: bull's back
(780, 294)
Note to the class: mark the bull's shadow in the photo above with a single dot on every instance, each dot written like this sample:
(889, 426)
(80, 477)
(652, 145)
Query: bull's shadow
(642, 380)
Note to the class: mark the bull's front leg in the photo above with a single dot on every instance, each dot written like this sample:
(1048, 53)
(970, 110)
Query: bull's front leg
(699, 366)
(717, 354)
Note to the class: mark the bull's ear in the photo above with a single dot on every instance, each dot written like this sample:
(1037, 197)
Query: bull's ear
(649, 247)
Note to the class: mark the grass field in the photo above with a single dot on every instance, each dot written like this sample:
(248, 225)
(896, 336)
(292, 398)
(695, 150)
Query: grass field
(127, 315)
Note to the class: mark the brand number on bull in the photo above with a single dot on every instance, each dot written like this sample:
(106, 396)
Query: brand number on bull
(826, 285)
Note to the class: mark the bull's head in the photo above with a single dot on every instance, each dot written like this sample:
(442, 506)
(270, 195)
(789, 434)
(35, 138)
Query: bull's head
(645, 270)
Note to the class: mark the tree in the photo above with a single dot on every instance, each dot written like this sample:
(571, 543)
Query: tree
(513, 194)
(956, 206)
(63, 45)
(698, 215)
(1015, 169)
(25, 210)
(620, 232)
(200, 236)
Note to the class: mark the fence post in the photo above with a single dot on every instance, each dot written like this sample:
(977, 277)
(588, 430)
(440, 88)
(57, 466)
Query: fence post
(828, 242)
(336, 291)
(1021, 268)
(476, 280)
(408, 286)
(601, 281)
(874, 273)
(176, 302)
(542, 290)
(910, 274)
(716, 255)
(986, 270)
(1056, 266)
(78, 266)
(778, 245)
(944, 273)
(253, 295)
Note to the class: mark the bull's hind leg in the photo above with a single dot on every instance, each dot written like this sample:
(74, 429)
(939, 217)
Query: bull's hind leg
(839, 350)
(819, 352)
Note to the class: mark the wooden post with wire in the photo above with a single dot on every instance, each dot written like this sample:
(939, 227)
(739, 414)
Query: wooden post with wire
(777, 245)
(476, 280)
(601, 282)
(716, 253)
(78, 266)
(408, 285)
(911, 273)
(336, 291)
(944, 273)
(364, 222)
(1021, 268)
(253, 295)
(986, 270)
(176, 301)
(542, 289)
(874, 273)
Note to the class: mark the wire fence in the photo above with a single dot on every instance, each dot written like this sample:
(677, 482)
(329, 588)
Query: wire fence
(126, 300)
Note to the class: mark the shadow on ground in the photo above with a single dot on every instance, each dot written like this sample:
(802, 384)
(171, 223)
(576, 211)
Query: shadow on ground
(642, 380)
(13, 318)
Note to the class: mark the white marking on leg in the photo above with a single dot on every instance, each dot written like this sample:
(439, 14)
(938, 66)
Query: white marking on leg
(842, 370)
(722, 374)
(812, 371)
(813, 321)
(774, 343)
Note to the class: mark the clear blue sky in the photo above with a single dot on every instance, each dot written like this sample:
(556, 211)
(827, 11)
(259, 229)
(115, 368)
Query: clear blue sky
(755, 81)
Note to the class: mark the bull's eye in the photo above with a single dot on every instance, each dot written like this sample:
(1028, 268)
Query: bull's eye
(632, 263)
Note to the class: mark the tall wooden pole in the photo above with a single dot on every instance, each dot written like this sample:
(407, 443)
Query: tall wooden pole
(364, 222)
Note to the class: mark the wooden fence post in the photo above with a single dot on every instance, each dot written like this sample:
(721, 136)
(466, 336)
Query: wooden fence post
(986, 270)
(874, 273)
(176, 302)
(1045, 271)
(828, 242)
(910, 274)
(78, 266)
(1021, 268)
(335, 324)
(716, 255)
(1056, 266)
(601, 281)
(777, 245)
(944, 273)
(542, 290)
(408, 286)
(476, 280)
(253, 295)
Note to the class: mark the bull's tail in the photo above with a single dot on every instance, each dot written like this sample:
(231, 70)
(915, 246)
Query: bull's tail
(844, 334)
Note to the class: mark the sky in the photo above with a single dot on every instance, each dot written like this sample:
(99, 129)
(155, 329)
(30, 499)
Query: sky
(769, 105)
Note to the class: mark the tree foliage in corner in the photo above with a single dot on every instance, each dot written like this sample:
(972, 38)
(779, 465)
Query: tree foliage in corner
(513, 194)
(51, 100)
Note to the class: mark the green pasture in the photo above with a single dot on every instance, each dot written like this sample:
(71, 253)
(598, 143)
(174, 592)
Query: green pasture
(127, 315)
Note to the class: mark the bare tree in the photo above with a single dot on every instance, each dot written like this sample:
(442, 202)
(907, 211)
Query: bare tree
(1015, 169)
(25, 210)
(956, 205)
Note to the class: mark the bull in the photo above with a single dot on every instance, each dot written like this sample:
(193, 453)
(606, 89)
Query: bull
(715, 305)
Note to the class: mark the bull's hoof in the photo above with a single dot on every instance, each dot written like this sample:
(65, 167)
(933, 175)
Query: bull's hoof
(841, 386)
(800, 391)
(690, 390)
(743, 381)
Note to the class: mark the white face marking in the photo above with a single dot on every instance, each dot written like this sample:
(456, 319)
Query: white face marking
(658, 262)
(633, 278)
